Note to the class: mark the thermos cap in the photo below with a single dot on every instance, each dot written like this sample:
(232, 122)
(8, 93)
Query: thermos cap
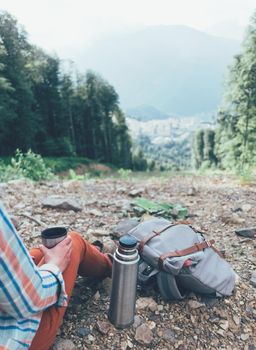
(128, 242)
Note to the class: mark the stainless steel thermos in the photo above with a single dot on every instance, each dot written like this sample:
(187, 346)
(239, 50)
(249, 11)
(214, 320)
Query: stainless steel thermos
(124, 283)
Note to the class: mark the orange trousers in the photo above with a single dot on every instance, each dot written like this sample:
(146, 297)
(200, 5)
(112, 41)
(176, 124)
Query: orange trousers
(86, 260)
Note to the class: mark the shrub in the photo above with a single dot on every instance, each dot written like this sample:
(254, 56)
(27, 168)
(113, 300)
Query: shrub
(30, 165)
(8, 172)
(124, 173)
(72, 175)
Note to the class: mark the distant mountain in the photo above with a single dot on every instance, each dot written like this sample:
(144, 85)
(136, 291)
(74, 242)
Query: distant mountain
(146, 113)
(175, 69)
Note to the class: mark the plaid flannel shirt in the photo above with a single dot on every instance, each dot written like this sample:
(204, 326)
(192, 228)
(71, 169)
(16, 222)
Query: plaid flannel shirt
(25, 290)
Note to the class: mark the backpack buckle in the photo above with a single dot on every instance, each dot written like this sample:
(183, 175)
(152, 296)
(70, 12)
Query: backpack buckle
(209, 243)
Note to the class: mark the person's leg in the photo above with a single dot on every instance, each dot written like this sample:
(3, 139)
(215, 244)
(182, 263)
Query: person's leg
(37, 256)
(85, 260)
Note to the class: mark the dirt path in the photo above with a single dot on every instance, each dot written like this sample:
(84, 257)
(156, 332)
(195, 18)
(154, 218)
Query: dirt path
(217, 206)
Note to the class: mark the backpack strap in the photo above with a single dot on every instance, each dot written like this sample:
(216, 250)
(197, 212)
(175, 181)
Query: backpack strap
(190, 250)
(152, 235)
(155, 233)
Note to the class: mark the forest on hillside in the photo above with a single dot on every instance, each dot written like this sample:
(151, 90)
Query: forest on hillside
(231, 145)
(61, 112)
(56, 112)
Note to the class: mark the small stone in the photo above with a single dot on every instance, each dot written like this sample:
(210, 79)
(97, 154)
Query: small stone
(229, 348)
(221, 332)
(193, 319)
(100, 232)
(19, 206)
(221, 313)
(214, 319)
(169, 335)
(126, 207)
(83, 331)
(232, 325)
(64, 344)
(246, 207)
(249, 310)
(191, 191)
(130, 344)
(124, 227)
(121, 190)
(160, 307)
(96, 296)
(253, 279)
(146, 303)
(236, 219)
(160, 333)
(151, 324)
(237, 320)
(249, 232)
(224, 325)
(123, 345)
(96, 212)
(244, 336)
(144, 334)
(61, 203)
(91, 338)
(136, 192)
(103, 327)
(193, 304)
(137, 321)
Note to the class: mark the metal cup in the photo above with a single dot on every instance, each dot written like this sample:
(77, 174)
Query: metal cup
(53, 235)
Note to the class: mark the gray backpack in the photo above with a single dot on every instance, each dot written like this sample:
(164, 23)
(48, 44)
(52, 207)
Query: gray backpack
(181, 260)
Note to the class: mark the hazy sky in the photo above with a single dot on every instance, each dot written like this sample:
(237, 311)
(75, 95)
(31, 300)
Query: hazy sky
(66, 25)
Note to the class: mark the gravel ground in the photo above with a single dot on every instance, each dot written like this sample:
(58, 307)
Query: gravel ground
(217, 205)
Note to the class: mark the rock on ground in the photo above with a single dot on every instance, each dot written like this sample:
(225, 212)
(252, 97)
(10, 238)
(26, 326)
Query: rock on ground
(64, 344)
(226, 323)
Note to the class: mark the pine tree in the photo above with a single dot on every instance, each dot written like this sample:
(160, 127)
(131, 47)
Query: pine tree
(237, 116)
(198, 148)
(7, 104)
(52, 112)
(121, 148)
(203, 149)
(15, 44)
(210, 158)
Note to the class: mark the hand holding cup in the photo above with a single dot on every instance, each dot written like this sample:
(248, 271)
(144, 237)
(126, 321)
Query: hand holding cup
(57, 246)
(59, 255)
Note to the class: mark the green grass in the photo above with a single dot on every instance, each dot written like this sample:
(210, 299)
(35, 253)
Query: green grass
(56, 164)
(65, 163)
(84, 168)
